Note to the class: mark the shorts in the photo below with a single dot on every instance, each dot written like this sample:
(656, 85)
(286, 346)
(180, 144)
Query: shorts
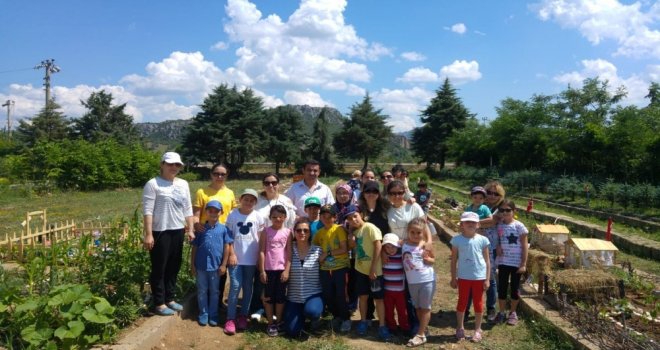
(363, 285)
(275, 288)
(421, 294)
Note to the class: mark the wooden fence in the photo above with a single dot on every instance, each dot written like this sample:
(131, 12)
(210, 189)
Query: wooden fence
(38, 232)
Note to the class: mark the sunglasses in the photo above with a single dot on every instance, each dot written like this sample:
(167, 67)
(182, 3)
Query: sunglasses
(219, 174)
(505, 210)
(491, 193)
(270, 183)
(398, 193)
(302, 230)
(371, 192)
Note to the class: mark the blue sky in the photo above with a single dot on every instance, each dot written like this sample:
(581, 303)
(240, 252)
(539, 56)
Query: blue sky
(162, 58)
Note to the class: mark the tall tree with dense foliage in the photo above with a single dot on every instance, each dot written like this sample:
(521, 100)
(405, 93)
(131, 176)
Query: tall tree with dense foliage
(229, 129)
(364, 133)
(444, 115)
(104, 121)
(49, 125)
(472, 145)
(320, 147)
(284, 128)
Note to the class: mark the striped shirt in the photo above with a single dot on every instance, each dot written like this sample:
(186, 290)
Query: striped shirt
(304, 276)
(393, 273)
(168, 202)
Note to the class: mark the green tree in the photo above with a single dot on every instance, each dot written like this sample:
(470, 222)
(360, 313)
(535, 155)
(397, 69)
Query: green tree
(440, 120)
(104, 121)
(472, 145)
(49, 125)
(229, 129)
(320, 147)
(364, 133)
(654, 95)
(284, 128)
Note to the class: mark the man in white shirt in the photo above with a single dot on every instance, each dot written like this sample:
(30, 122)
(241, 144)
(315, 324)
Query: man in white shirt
(309, 186)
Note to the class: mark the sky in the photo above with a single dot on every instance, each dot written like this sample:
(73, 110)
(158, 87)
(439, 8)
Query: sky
(162, 58)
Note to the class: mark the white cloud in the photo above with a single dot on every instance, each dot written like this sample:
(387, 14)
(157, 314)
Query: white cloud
(654, 72)
(219, 46)
(479, 32)
(419, 75)
(633, 28)
(459, 28)
(460, 72)
(402, 106)
(309, 98)
(413, 56)
(636, 86)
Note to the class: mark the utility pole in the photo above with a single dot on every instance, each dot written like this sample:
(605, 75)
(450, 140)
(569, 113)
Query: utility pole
(50, 67)
(10, 106)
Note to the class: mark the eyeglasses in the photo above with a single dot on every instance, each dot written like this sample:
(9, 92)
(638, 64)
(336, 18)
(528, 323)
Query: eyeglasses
(270, 183)
(398, 193)
(371, 192)
(302, 230)
(491, 193)
(219, 174)
(505, 210)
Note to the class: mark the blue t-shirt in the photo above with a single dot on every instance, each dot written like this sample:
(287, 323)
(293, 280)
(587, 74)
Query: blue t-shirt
(482, 211)
(210, 247)
(314, 227)
(471, 264)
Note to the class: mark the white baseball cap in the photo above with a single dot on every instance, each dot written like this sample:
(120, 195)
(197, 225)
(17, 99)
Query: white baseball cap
(469, 216)
(171, 158)
(391, 238)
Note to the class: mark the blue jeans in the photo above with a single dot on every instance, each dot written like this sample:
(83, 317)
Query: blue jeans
(296, 313)
(240, 277)
(208, 295)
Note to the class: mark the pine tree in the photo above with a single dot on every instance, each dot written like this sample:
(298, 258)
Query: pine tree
(320, 147)
(364, 134)
(284, 128)
(49, 125)
(103, 121)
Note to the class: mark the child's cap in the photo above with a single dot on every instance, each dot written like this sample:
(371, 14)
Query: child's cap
(478, 189)
(214, 204)
(391, 238)
(328, 209)
(350, 209)
(469, 216)
(312, 202)
(251, 192)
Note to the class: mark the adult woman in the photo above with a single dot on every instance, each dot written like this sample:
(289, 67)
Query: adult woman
(343, 200)
(494, 198)
(401, 212)
(304, 289)
(166, 207)
(373, 206)
(270, 196)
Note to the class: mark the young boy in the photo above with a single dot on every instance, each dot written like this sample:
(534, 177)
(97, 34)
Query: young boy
(394, 284)
(478, 195)
(312, 209)
(332, 239)
(368, 270)
(208, 261)
(423, 196)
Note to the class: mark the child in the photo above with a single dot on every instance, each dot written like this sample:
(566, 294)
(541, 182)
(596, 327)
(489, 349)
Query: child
(274, 264)
(245, 223)
(418, 265)
(312, 209)
(368, 270)
(208, 261)
(511, 259)
(394, 282)
(355, 182)
(478, 195)
(332, 239)
(423, 196)
(470, 271)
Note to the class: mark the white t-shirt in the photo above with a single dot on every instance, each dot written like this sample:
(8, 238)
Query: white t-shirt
(298, 192)
(245, 230)
(168, 202)
(509, 237)
(264, 205)
(398, 218)
(413, 264)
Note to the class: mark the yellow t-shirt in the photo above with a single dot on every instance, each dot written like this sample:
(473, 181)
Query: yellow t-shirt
(365, 237)
(329, 239)
(224, 195)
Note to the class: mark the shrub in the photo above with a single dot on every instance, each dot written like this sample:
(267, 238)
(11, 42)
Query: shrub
(610, 191)
(189, 176)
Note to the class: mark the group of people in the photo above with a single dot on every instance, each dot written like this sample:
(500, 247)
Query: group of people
(311, 251)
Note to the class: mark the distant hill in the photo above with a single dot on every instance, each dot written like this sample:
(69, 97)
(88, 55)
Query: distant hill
(168, 135)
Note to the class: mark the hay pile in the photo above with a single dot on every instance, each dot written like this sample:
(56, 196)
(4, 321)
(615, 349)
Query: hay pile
(586, 282)
(538, 263)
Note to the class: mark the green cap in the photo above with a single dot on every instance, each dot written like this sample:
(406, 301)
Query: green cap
(311, 201)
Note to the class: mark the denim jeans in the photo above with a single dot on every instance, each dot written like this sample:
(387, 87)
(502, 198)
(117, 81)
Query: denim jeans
(208, 295)
(296, 313)
(240, 277)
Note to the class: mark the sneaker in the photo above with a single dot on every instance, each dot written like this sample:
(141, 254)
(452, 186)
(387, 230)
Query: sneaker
(213, 323)
(491, 315)
(362, 328)
(203, 320)
(175, 306)
(230, 327)
(272, 330)
(500, 317)
(477, 336)
(345, 326)
(513, 319)
(384, 333)
(460, 334)
(242, 323)
(257, 315)
(417, 340)
(166, 311)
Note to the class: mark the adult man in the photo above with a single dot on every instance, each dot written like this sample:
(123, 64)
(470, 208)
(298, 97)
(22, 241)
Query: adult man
(309, 186)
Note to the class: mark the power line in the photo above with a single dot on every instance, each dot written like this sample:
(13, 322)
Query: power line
(14, 70)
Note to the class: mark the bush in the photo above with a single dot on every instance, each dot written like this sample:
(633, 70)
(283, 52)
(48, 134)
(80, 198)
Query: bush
(610, 191)
(566, 187)
(189, 176)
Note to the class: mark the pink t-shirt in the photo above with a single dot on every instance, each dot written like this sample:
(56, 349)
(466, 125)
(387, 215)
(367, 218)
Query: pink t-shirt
(276, 254)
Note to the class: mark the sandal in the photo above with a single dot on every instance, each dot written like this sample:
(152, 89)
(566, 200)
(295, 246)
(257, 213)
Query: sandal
(417, 340)
(477, 336)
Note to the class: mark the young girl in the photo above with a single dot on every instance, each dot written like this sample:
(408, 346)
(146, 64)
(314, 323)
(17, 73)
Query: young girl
(274, 264)
(511, 259)
(418, 265)
(245, 224)
(470, 271)
(395, 284)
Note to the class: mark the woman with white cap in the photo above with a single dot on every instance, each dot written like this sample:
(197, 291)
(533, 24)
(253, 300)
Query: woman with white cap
(167, 212)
